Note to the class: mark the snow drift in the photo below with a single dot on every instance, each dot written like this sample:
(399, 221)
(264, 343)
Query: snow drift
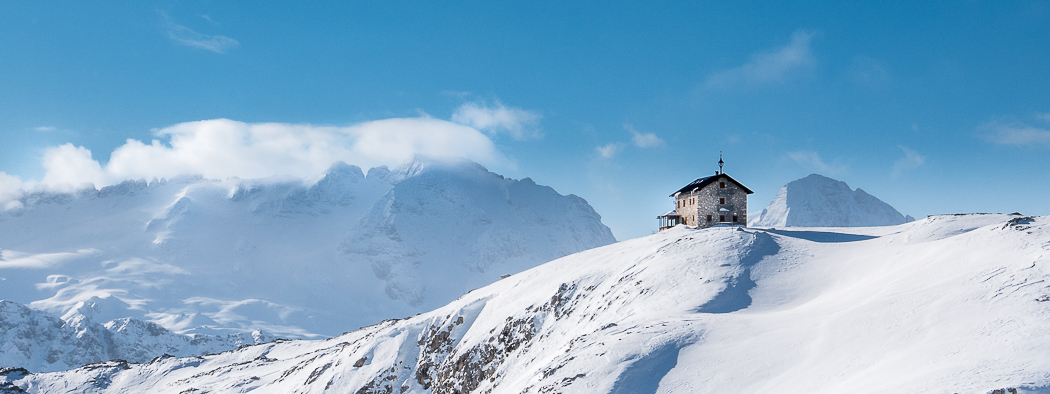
(819, 201)
(948, 304)
(293, 258)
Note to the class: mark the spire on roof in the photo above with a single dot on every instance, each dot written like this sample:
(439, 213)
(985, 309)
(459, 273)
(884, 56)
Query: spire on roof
(720, 162)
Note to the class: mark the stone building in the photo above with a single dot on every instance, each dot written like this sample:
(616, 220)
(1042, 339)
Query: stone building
(709, 201)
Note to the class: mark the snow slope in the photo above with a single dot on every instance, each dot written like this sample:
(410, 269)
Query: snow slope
(291, 257)
(819, 201)
(948, 304)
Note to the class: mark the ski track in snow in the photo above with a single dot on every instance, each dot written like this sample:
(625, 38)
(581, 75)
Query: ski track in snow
(947, 304)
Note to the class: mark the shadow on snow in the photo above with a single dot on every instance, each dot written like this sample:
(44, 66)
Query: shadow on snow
(735, 296)
(820, 236)
(643, 376)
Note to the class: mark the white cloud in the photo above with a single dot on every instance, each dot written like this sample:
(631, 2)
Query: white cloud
(188, 37)
(222, 148)
(498, 118)
(44, 129)
(1043, 116)
(609, 150)
(71, 166)
(643, 140)
(812, 160)
(10, 190)
(910, 161)
(770, 66)
(1015, 133)
(638, 139)
(13, 259)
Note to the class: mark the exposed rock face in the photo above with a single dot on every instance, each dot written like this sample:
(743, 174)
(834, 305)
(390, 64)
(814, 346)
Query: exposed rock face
(819, 201)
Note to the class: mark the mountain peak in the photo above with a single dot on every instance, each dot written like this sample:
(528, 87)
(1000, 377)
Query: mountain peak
(420, 164)
(296, 258)
(819, 201)
(343, 169)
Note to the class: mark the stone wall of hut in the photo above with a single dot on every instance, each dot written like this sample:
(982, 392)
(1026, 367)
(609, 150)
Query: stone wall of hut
(715, 202)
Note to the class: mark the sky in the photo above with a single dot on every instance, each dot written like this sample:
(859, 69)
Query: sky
(933, 107)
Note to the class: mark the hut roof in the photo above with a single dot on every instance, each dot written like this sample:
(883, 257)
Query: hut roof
(672, 213)
(699, 183)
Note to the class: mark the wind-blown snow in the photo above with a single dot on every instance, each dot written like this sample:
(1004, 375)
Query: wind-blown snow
(948, 304)
(291, 257)
(819, 201)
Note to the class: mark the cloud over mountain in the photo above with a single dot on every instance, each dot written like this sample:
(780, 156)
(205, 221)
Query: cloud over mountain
(498, 118)
(222, 148)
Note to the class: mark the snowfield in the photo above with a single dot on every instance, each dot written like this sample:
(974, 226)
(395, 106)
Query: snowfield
(947, 304)
(189, 266)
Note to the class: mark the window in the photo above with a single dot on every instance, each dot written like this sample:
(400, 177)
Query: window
(721, 200)
(721, 185)
(721, 218)
(734, 218)
(709, 218)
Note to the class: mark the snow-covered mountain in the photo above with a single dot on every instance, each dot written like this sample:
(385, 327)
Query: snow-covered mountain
(39, 341)
(947, 304)
(819, 201)
(291, 257)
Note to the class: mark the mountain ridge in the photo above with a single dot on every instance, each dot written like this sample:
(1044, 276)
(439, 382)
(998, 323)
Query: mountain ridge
(287, 256)
(864, 310)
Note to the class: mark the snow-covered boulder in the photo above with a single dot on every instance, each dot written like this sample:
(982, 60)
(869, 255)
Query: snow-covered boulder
(819, 201)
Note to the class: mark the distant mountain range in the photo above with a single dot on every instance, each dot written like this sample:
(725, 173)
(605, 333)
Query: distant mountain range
(819, 201)
(236, 261)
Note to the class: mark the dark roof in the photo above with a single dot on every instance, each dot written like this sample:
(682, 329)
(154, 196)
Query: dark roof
(701, 182)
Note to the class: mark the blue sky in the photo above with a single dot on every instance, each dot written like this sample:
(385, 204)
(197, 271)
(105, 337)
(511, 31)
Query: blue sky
(934, 107)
